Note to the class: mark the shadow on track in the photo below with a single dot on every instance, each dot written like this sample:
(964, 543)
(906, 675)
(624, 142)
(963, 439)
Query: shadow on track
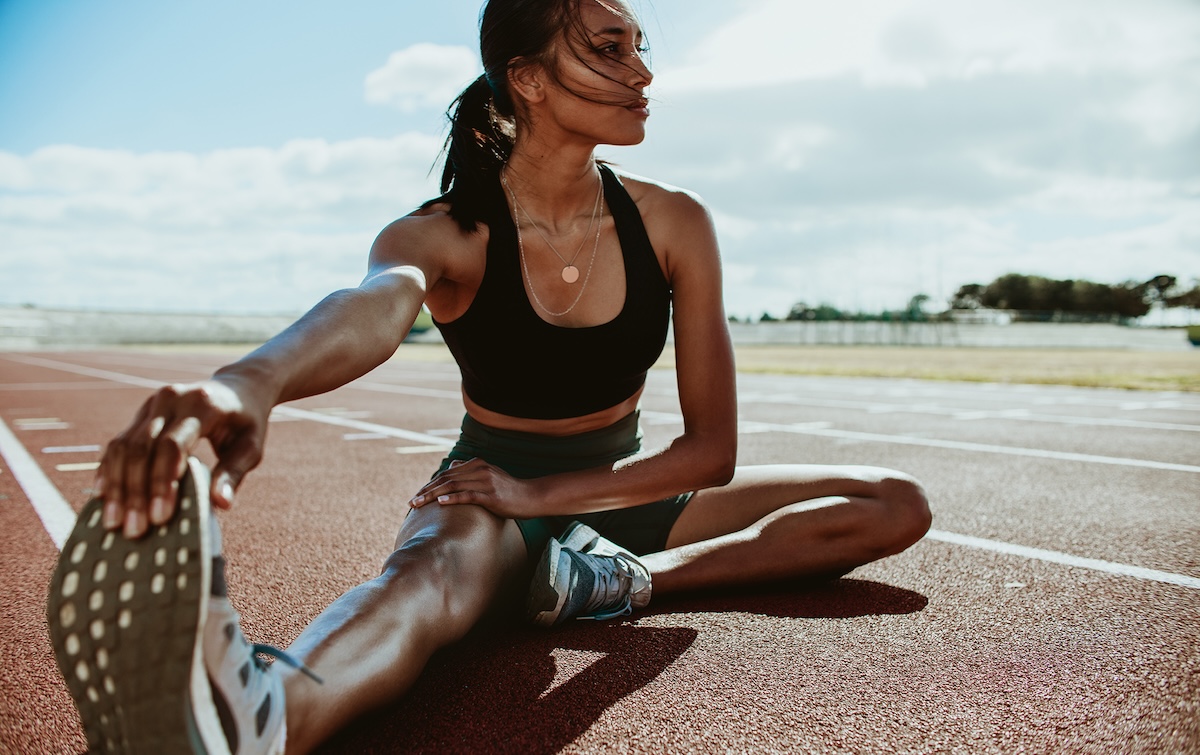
(829, 599)
(495, 691)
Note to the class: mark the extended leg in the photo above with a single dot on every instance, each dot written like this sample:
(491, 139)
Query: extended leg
(788, 521)
(369, 646)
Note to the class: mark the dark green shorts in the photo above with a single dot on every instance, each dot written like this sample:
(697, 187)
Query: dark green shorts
(642, 529)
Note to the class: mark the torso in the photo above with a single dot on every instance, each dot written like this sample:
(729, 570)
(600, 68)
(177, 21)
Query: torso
(465, 262)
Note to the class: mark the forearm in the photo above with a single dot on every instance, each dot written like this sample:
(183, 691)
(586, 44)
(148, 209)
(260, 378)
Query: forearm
(690, 462)
(343, 337)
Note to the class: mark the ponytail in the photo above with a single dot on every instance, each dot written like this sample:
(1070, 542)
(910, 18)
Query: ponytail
(479, 144)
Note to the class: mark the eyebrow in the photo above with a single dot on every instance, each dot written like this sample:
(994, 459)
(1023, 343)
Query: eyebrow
(616, 31)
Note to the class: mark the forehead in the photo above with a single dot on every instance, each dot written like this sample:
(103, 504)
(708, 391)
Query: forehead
(609, 17)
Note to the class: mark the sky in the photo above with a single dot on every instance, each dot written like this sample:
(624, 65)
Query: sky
(240, 157)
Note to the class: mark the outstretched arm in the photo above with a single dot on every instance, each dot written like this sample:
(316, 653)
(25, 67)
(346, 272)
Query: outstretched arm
(342, 338)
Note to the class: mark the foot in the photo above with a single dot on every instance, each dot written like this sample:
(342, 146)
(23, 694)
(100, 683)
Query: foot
(581, 575)
(147, 642)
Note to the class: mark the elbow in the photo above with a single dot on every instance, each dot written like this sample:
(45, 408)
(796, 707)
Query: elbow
(721, 465)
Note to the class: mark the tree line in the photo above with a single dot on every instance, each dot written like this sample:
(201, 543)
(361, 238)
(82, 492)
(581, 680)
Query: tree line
(1038, 298)
(1030, 298)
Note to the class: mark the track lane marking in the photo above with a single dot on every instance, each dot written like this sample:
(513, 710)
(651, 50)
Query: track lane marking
(1065, 559)
(957, 445)
(59, 524)
(56, 514)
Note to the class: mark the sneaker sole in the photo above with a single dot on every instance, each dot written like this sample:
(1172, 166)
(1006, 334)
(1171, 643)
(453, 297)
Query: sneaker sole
(546, 596)
(125, 621)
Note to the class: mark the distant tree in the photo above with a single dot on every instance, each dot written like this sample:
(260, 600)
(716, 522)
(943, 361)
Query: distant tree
(766, 317)
(1189, 298)
(915, 311)
(968, 296)
(821, 313)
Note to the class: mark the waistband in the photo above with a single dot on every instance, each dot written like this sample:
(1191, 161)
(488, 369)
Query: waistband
(526, 455)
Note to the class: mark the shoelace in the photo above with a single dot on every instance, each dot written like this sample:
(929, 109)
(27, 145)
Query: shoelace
(281, 655)
(613, 580)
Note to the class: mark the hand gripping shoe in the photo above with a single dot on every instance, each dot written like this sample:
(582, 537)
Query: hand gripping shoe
(139, 626)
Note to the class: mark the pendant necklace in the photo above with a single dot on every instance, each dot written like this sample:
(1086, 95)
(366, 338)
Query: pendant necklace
(570, 273)
(568, 277)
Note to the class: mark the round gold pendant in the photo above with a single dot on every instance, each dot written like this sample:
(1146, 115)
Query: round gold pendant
(570, 274)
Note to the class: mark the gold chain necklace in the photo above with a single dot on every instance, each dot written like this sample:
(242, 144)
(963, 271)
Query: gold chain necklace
(569, 273)
(597, 213)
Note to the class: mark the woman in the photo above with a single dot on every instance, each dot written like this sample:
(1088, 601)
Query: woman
(552, 278)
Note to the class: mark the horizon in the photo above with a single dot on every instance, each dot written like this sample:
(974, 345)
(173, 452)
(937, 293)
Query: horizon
(216, 157)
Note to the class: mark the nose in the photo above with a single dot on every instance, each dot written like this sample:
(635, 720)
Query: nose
(640, 75)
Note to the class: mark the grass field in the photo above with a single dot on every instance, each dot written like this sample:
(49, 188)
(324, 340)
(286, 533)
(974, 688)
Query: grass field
(1134, 370)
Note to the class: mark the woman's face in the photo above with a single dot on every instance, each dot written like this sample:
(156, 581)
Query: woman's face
(603, 75)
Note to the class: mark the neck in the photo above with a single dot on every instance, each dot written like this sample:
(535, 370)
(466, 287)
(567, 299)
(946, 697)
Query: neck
(556, 190)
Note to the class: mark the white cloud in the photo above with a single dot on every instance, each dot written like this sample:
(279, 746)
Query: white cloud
(858, 153)
(885, 42)
(422, 76)
(251, 229)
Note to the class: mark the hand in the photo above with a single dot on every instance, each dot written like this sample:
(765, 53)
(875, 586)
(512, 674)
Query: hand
(140, 470)
(482, 484)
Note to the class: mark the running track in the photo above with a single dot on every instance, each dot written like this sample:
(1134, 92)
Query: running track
(1055, 607)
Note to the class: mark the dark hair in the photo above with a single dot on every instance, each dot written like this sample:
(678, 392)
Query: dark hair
(483, 118)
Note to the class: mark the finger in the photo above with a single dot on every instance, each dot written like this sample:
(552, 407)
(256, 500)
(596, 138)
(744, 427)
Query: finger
(140, 444)
(112, 475)
(236, 457)
(167, 465)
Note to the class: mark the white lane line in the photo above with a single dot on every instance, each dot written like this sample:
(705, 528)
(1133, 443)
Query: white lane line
(1066, 559)
(56, 514)
(283, 411)
(956, 445)
(70, 449)
(961, 414)
(83, 466)
(116, 377)
(73, 385)
(421, 449)
(365, 427)
(407, 390)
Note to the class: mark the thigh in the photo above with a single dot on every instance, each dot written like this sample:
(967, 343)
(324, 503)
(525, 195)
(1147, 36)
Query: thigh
(756, 491)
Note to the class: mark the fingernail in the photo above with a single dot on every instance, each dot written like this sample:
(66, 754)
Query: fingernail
(443, 498)
(112, 516)
(227, 491)
(158, 510)
(135, 523)
(419, 500)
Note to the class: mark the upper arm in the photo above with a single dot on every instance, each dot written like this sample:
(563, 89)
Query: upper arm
(703, 353)
(406, 261)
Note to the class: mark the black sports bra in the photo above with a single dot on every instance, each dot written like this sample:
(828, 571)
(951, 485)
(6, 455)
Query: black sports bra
(515, 363)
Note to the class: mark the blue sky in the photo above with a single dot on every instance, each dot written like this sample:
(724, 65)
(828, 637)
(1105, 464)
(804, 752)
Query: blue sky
(220, 156)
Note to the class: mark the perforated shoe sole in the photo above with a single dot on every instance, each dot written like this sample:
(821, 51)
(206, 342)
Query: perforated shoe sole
(126, 619)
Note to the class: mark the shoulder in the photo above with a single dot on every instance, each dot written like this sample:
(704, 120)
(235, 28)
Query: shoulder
(428, 238)
(678, 223)
(658, 201)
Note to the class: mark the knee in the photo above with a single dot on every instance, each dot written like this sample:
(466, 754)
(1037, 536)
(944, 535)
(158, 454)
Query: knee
(442, 561)
(907, 514)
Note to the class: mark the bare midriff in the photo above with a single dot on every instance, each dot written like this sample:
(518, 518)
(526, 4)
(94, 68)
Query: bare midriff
(554, 427)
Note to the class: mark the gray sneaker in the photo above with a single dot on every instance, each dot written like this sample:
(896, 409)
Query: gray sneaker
(148, 644)
(581, 575)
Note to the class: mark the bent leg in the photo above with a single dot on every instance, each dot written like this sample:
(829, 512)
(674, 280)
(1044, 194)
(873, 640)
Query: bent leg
(788, 521)
(369, 646)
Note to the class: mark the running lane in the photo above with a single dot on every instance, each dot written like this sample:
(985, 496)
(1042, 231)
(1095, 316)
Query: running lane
(1055, 608)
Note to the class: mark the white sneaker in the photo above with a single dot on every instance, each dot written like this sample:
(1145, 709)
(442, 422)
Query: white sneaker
(582, 575)
(140, 626)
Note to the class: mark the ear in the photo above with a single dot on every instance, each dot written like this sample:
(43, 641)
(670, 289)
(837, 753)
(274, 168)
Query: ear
(527, 79)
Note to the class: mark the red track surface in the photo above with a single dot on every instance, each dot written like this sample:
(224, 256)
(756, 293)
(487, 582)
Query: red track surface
(946, 648)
